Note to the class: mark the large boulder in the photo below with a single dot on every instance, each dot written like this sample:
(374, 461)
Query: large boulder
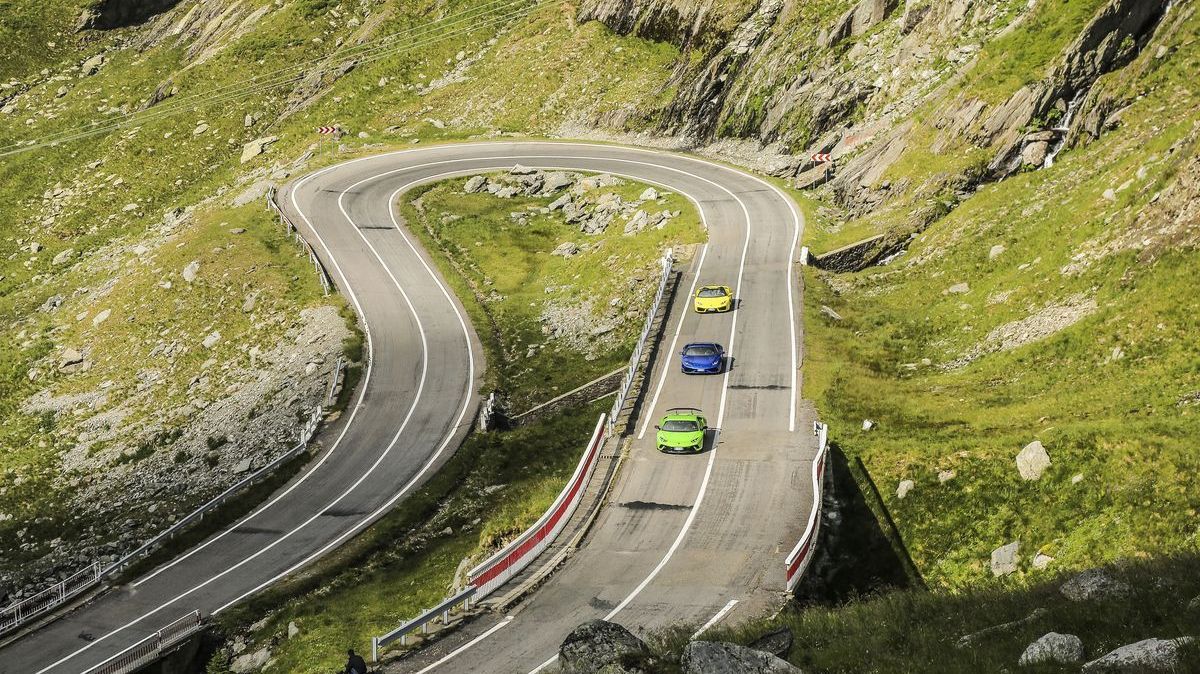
(714, 657)
(1094, 584)
(1005, 558)
(601, 645)
(1033, 461)
(777, 642)
(1063, 649)
(1149, 655)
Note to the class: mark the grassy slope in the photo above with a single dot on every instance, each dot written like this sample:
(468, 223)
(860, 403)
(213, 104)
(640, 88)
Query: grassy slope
(914, 631)
(407, 561)
(498, 256)
(161, 165)
(1117, 422)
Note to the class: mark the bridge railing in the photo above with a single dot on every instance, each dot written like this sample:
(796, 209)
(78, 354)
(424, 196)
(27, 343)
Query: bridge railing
(151, 648)
(636, 358)
(517, 555)
(800, 557)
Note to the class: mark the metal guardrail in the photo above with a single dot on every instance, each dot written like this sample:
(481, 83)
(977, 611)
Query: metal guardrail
(151, 648)
(636, 358)
(31, 607)
(21, 612)
(322, 273)
(517, 555)
(422, 621)
(798, 560)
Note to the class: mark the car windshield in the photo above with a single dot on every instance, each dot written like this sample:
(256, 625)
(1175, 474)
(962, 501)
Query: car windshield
(712, 292)
(700, 350)
(680, 425)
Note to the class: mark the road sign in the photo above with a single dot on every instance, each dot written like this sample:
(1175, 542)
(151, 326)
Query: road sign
(822, 158)
(325, 130)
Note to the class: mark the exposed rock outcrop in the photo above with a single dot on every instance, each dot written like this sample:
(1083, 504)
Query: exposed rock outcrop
(599, 645)
(714, 657)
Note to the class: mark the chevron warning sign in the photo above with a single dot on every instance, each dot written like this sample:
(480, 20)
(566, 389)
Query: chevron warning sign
(822, 158)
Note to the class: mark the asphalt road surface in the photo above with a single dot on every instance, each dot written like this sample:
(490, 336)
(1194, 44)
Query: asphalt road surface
(683, 537)
(694, 539)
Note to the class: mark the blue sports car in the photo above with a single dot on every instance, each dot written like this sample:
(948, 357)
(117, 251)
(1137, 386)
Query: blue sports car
(702, 358)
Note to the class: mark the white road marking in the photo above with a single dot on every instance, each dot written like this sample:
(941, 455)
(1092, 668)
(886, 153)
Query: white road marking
(495, 628)
(715, 619)
(708, 469)
(674, 340)
(363, 477)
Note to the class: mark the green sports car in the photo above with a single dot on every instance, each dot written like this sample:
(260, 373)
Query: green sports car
(681, 430)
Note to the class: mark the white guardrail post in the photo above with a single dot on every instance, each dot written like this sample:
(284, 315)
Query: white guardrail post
(798, 560)
(635, 359)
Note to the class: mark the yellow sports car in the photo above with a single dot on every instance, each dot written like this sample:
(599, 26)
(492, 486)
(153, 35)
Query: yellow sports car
(713, 299)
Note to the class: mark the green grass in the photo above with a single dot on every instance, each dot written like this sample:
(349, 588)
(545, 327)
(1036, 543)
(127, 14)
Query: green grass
(507, 277)
(406, 561)
(915, 631)
(1120, 423)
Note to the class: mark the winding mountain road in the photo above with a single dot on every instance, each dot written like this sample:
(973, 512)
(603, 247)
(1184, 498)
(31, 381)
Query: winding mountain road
(684, 538)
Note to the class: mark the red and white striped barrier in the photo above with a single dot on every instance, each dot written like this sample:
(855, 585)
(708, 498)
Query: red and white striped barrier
(326, 130)
(513, 559)
(801, 555)
(822, 157)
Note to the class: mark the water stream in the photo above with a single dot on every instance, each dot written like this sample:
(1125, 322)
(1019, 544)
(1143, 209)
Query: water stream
(1063, 130)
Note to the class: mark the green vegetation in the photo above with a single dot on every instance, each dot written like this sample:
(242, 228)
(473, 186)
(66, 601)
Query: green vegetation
(1072, 335)
(495, 486)
(505, 272)
(915, 631)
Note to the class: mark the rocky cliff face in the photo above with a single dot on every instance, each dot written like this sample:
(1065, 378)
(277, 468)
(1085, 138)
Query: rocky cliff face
(109, 14)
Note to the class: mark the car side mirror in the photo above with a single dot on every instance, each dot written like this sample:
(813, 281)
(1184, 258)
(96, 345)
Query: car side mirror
(657, 428)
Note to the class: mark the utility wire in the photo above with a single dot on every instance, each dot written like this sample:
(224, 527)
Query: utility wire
(455, 25)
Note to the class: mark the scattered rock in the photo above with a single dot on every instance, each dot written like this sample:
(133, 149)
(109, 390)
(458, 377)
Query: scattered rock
(69, 358)
(91, 66)
(249, 302)
(131, 207)
(190, 271)
(1194, 604)
(904, 487)
(101, 317)
(292, 630)
(828, 311)
(1148, 655)
(1077, 478)
(1005, 558)
(959, 289)
(1052, 647)
(566, 249)
(243, 466)
(777, 642)
(996, 251)
(555, 181)
(1042, 561)
(250, 662)
(868, 424)
(249, 121)
(597, 645)
(211, 339)
(519, 170)
(1094, 584)
(1033, 461)
(648, 194)
(63, 257)
(200, 129)
(475, 184)
(35, 248)
(1035, 153)
(256, 147)
(238, 230)
(945, 476)
(713, 657)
